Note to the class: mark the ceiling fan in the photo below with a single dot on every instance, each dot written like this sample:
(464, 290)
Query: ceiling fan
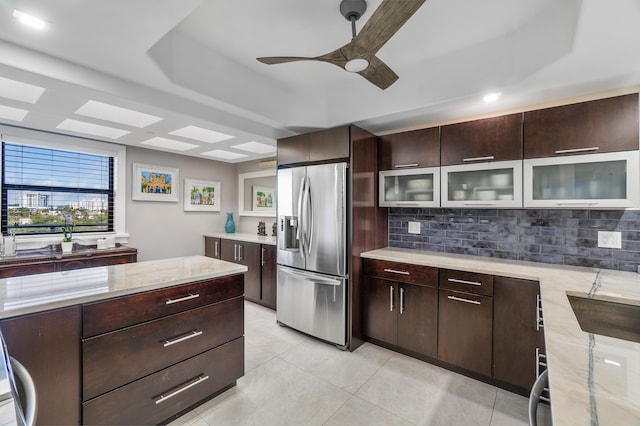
(359, 55)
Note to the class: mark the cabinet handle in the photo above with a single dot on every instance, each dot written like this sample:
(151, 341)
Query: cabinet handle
(539, 363)
(182, 299)
(395, 271)
(239, 251)
(401, 166)
(191, 383)
(455, 280)
(539, 319)
(401, 300)
(391, 298)
(569, 151)
(216, 248)
(235, 252)
(262, 257)
(460, 299)
(189, 335)
(489, 157)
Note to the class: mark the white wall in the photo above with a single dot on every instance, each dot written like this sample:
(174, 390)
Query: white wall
(163, 230)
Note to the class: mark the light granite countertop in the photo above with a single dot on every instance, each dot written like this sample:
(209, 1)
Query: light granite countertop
(594, 379)
(41, 292)
(246, 237)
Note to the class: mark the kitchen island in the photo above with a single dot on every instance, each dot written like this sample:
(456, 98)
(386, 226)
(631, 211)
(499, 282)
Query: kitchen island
(127, 344)
(594, 379)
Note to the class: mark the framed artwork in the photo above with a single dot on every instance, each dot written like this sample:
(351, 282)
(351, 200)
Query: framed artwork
(201, 195)
(155, 183)
(262, 199)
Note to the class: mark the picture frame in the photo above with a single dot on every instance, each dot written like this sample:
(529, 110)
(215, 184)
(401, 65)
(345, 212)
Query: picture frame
(155, 183)
(202, 195)
(262, 199)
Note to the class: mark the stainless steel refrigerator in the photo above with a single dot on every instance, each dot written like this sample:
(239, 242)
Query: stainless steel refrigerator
(312, 250)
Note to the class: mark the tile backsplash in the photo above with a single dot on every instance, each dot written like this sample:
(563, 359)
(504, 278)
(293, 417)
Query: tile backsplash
(564, 237)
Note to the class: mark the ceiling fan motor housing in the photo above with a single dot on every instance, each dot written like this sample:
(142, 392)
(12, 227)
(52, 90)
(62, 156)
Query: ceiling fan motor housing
(353, 9)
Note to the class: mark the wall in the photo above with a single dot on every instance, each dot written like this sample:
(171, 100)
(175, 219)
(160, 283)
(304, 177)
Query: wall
(163, 230)
(564, 237)
(249, 224)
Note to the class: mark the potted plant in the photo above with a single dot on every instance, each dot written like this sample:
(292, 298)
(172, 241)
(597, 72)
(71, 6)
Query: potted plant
(67, 230)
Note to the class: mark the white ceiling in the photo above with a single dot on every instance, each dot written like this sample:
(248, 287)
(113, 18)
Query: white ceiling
(192, 63)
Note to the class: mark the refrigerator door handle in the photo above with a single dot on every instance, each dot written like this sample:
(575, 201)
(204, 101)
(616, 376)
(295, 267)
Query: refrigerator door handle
(300, 231)
(309, 223)
(310, 277)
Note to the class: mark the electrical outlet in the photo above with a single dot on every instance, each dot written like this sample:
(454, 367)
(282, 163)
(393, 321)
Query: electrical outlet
(609, 239)
(414, 227)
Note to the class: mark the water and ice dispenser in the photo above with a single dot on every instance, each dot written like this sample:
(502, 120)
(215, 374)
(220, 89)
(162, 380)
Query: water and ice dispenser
(290, 239)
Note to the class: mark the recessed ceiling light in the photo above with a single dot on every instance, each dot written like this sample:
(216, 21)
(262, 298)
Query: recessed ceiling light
(10, 113)
(225, 155)
(169, 144)
(255, 147)
(200, 134)
(91, 129)
(117, 114)
(19, 91)
(29, 20)
(492, 97)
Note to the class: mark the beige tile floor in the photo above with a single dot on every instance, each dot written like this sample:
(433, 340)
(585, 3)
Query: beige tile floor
(293, 379)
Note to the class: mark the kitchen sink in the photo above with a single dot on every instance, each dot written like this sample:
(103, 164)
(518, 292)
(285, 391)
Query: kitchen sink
(607, 316)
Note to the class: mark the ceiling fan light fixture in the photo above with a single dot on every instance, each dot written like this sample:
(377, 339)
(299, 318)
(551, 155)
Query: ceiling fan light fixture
(356, 65)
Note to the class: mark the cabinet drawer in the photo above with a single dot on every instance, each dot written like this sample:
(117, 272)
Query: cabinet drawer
(114, 359)
(158, 397)
(404, 272)
(109, 315)
(469, 282)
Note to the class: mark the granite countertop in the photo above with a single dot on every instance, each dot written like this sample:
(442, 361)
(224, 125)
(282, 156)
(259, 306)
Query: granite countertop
(594, 379)
(246, 237)
(41, 292)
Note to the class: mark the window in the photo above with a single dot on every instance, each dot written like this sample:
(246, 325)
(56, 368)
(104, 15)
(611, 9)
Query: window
(42, 185)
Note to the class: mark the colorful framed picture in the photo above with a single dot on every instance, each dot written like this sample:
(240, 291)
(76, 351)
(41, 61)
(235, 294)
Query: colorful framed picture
(201, 195)
(262, 199)
(155, 183)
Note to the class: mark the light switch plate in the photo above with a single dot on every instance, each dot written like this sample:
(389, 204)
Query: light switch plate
(609, 239)
(414, 227)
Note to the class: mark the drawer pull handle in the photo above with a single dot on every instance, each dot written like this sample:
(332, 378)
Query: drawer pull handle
(401, 166)
(391, 298)
(460, 299)
(191, 383)
(569, 151)
(489, 157)
(189, 335)
(455, 280)
(395, 271)
(182, 299)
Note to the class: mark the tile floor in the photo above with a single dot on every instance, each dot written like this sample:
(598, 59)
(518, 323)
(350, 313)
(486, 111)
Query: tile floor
(293, 379)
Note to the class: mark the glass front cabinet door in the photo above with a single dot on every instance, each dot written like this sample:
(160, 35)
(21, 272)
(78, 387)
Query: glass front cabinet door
(483, 185)
(410, 187)
(608, 180)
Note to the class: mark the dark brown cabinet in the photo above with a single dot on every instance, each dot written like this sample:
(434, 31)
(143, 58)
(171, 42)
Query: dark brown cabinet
(269, 275)
(323, 145)
(489, 139)
(212, 247)
(417, 148)
(398, 311)
(603, 125)
(465, 321)
(48, 345)
(516, 331)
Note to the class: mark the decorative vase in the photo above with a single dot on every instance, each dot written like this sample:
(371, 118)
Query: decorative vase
(67, 246)
(230, 226)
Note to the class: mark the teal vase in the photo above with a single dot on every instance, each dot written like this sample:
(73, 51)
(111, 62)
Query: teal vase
(230, 226)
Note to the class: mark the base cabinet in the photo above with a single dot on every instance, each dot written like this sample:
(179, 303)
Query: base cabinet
(247, 254)
(269, 270)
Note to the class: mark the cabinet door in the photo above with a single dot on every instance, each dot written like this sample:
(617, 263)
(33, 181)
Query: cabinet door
(67, 265)
(515, 335)
(212, 247)
(418, 148)
(604, 125)
(330, 144)
(269, 275)
(48, 345)
(293, 150)
(249, 255)
(379, 313)
(418, 319)
(490, 139)
(229, 250)
(465, 330)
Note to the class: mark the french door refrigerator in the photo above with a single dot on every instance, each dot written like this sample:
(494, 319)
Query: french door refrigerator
(312, 250)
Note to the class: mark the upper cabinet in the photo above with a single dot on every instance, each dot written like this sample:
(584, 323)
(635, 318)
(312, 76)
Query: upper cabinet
(604, 125)
(323, 145)
(257, 194)
(489, 139)
(415, 149)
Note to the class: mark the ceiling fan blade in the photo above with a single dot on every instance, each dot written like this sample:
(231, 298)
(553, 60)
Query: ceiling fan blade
(379, 73)
(271, 60)
(387, 19)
